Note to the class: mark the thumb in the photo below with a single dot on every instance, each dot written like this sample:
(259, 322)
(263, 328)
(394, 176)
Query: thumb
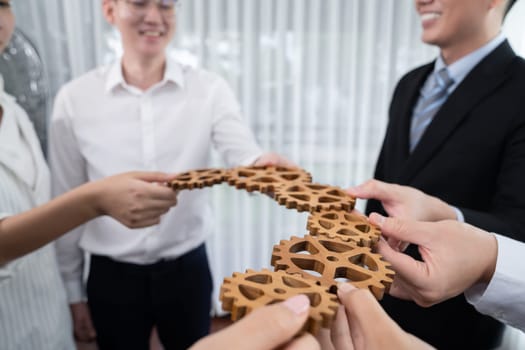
(403, 230)
(267, 327)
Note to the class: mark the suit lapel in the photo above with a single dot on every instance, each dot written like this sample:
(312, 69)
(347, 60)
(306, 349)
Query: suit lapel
(407, 102)
(479, 83)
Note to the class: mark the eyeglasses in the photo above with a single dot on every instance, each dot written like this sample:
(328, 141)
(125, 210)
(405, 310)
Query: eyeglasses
(140, 7)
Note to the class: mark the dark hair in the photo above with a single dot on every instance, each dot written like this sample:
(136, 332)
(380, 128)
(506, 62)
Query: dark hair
(509, 6)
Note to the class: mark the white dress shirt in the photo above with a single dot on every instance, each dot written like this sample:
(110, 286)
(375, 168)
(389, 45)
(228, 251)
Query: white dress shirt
(504, 297)
(33, 307)
(102, 126)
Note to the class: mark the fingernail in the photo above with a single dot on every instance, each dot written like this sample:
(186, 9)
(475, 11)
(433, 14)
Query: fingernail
(298, 304)
(345, 287)
(377, 219)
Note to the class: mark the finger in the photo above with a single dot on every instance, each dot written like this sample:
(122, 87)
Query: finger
(400, 289)
(414, 232)
(156, 206)
(154, 191)
(153, 176)
(405, 266)
(341, 337)
(371, 189)
(304, 342)
(142, 223)
(363, 311)
(324, 339)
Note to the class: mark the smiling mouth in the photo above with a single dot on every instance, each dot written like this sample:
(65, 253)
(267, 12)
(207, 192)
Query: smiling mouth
(430, 16)
(152, 33)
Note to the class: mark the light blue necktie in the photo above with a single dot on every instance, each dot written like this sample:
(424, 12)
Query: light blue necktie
(428, 106)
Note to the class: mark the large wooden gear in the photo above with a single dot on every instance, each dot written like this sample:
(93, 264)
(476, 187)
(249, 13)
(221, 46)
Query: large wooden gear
(266, 179)
(343, 225)
(333, 259)
(338, 247)
(244, 292)
(313, 197)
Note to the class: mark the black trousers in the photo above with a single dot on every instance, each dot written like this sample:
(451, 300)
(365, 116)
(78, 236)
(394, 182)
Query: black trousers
(127, 300)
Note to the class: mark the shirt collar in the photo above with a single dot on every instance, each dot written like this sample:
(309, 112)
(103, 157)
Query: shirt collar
(4, 96)
(173, 73)
(460, 69)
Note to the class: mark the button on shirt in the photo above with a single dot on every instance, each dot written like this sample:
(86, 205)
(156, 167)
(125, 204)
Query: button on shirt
(102, 126)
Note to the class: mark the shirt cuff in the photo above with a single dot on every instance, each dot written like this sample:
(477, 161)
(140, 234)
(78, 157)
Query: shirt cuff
(76, 292)
(502, 298)
(251, 160)
(459, 215)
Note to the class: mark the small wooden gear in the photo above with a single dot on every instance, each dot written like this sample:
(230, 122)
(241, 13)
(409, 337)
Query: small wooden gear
(242, 293)
(199, 178)
(343, 225)
(266, 179)
(331, 259)
(313, 197)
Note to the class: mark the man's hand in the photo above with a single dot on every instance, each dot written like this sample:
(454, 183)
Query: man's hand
(82, 325)
(455, 257)
(404, 202)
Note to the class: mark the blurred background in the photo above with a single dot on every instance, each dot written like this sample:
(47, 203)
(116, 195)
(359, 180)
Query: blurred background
(314, 79)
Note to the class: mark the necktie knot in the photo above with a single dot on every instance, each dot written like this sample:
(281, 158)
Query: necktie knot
(443, 79)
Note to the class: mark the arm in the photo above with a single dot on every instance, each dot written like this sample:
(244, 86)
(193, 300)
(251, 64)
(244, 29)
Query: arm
(232, 137)
(132, 198)
(270, 327)
(68, 170)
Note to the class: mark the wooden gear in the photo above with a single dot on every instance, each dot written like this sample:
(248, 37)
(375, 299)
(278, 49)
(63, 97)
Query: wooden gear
(242, 293)
(199, 178)
(313, 197)
(266, 179)
(343, 225)
(338, 247)
(332, 259)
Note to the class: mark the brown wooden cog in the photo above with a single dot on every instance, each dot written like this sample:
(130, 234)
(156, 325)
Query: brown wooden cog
(343, 225)
(266, 178)
(331, 259)
(244, 292)
(199, 178)
(313, 197)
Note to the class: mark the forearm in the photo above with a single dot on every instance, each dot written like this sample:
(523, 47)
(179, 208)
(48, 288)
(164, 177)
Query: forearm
(25, 232)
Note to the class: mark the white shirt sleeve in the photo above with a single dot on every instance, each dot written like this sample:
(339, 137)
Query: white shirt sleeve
(504, 297)
(231, 135)
(67, 172)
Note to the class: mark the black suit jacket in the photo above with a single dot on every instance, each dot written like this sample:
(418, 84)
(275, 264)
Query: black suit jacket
(472, 156)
